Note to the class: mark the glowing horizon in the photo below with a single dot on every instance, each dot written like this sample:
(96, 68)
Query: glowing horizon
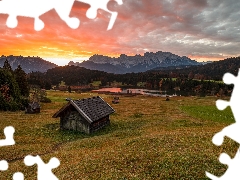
(62, 61)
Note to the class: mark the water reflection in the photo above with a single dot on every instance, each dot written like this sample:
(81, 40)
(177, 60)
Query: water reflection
(111, 90)
(134, 91)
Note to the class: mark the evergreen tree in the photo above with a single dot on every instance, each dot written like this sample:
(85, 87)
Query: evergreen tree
(7, 66)
(9, 91)
(69, 89)
(21, 79)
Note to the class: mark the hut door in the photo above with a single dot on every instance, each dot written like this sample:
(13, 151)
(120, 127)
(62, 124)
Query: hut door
(73, 120)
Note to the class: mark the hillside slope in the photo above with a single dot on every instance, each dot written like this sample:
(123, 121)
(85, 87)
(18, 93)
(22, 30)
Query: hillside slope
(28, 64)
(214, 70)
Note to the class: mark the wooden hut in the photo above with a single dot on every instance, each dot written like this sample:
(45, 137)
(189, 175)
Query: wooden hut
(85, 115)
(115, 100)
(33, 108)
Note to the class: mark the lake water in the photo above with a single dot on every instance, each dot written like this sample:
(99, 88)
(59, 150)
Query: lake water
(133, 91)
(112, 90)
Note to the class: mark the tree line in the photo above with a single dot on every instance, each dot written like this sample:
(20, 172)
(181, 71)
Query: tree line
(14, 90)
(210, 71)
(204, 80)
(179, 83)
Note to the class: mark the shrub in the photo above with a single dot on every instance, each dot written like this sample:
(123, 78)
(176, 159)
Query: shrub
(45, 100)
(10, 97)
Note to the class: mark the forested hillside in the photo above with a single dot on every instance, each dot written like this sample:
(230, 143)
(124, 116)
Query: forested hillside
(13, 88)
(205, 79)
(28, 64)
(212, 71)
(75, 75)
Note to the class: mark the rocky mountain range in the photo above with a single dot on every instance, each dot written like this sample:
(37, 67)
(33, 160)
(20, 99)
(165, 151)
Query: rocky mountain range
(137, 63)
(119, 65)
(28, 64)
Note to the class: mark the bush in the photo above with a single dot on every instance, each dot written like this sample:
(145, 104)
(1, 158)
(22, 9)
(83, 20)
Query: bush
(13, 106)
(24, 103)
(9, 92)
(9, 106)
(45, 100)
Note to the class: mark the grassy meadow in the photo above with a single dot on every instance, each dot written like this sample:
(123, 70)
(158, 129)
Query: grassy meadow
(149, 138)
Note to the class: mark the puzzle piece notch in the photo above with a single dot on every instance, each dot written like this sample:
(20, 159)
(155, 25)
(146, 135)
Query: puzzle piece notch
(229, 78)
(3, 165)
(232, 172)
(8, 132)
(231, 131)
(101, 4)
(221, 104)
(44, 170)
(18, 176)
(36, 8)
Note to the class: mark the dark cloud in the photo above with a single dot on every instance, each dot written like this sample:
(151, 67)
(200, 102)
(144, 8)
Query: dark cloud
(186, 27)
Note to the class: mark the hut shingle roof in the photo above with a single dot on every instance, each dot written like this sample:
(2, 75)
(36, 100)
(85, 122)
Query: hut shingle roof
(92, 109)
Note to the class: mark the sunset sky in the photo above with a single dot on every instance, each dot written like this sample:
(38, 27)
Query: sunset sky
(199, 29)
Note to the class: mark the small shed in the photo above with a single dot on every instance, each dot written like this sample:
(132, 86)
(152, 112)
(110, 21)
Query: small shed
(33, 108)
(85, 115)
(115, 100)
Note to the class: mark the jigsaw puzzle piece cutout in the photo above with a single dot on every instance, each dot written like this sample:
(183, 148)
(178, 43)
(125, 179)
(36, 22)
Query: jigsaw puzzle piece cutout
(232, 172)
(26, 8)
(36, 8)
(8, 141)
(44, 170)
(63, 8)
(229, 78)
(221, 104)
(101, 4)
(3, 165)
(231, 131)
(18, 176)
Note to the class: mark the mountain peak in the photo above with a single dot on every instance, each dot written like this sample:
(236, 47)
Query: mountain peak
(137, 63)
(28, 64)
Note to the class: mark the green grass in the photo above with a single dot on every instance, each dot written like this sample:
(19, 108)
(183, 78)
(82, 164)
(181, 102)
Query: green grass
(210, 113)
(96, 83)
(148, 138)
(141, 84)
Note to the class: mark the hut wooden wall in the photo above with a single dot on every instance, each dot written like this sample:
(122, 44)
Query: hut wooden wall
(99, 124)
(72, 120)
